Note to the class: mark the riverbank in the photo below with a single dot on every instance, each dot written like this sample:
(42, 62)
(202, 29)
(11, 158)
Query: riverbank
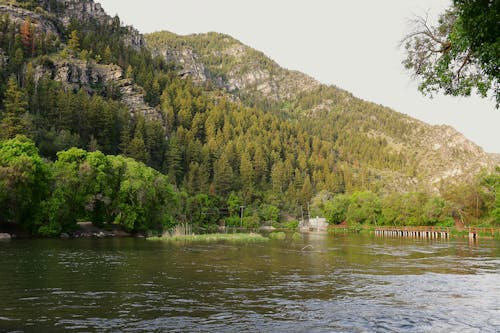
(82, 230)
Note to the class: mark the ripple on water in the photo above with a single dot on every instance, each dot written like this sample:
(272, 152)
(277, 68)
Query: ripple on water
(350, 285)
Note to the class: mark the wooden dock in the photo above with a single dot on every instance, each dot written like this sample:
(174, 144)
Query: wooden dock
(488, 232)
(431, 232)
(414, 232)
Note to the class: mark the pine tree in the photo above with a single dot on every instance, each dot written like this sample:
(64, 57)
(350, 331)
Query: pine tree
(137, 149)
(260, 163)
(174, 161)
(15, 118)
(246, 176)
(306, 192)
(108, 56)
(74, 41)
(223, 176)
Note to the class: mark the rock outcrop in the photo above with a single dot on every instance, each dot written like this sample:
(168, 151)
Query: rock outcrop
(76, 73)
(5, 236)
(495, 158)
(445, 154)
(88, 10)
(188, 61)
(230, 65)
(40, 21)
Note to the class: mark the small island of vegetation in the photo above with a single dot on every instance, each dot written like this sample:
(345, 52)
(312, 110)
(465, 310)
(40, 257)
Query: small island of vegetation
(231, 238)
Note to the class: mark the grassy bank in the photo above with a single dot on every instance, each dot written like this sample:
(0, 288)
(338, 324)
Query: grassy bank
(233, 238)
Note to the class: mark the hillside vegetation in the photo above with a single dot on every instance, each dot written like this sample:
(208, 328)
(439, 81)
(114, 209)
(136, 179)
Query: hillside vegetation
(410, 153)
(207, 126)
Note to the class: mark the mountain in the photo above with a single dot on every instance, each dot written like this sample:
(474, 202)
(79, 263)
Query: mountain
(215, 115)
(495, 157)
(427, 155)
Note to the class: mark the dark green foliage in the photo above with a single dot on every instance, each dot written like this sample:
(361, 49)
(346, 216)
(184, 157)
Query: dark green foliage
(203, 210)
(49, 198)
(398, 209)
(24, 183)
(144, 199)
(335, 210)
(15, 119)
(491, 188)
(461, 53)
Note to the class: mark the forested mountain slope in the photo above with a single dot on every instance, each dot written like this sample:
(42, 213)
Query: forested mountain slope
(363, 133)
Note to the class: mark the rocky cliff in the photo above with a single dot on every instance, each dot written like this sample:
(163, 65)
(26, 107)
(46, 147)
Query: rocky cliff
(87, 11)
(40, 19)
(230, 65)
(50, 18)
(495, 157)
(76, 73)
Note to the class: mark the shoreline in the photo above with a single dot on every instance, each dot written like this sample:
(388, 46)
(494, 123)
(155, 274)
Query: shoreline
(83, 230)
(88, 230)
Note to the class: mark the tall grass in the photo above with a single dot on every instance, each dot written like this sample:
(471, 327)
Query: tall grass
(182, 229)
(208, 238)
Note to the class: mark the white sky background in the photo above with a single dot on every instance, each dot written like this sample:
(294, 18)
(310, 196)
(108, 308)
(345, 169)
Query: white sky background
(353, 45)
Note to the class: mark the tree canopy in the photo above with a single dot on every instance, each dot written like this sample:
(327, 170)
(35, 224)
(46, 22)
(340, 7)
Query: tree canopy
(461, 54)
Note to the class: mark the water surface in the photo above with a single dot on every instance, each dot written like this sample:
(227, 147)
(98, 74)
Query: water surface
(338, 284)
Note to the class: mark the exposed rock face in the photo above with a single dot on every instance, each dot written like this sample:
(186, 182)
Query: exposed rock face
(188, 60)
(87, 10)
(5, 236)
(83, 11)
(495, 158)
(133, 98)
(66, 11)
(20, 15)
(446, 154)
(76, 73)
(232, 66)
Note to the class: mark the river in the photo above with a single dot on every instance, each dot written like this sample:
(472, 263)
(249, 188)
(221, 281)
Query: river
(343, 283)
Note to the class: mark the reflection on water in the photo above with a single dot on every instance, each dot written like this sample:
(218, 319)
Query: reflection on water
(342, 284)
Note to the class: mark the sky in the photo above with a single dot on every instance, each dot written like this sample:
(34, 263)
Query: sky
(353, 45)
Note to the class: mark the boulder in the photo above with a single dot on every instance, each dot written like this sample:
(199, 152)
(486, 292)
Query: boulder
(5, 236)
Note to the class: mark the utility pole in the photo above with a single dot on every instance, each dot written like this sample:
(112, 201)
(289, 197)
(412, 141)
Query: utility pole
(308, 212)
(241, 216)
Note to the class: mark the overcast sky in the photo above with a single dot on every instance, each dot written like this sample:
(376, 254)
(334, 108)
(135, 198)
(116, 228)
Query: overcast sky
(353, 45)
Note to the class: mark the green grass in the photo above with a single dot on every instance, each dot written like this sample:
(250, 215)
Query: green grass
(208, 238)
(280, 235)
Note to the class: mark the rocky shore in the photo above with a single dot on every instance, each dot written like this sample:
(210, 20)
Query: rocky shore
(87, 229)
(5, 236)
(84, 230)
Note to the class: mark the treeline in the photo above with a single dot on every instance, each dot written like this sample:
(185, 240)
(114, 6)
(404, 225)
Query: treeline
(476, 203)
